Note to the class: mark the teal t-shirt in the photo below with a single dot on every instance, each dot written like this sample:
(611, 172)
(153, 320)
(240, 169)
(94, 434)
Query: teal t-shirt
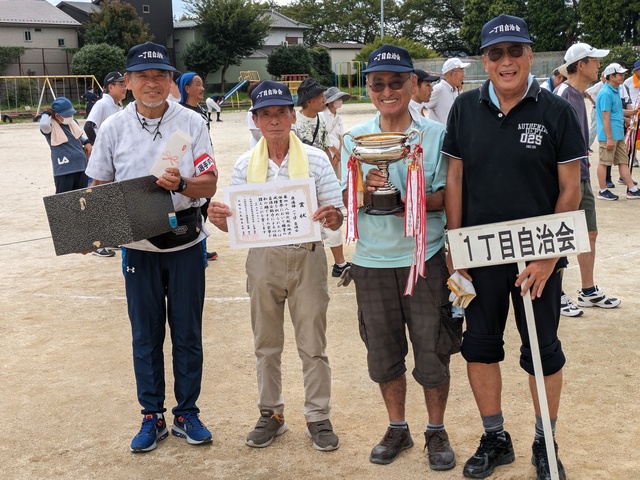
(382, 243)
(608, 100)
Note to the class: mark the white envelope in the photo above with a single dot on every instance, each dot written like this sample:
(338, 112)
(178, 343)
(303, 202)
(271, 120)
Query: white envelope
(172, 153)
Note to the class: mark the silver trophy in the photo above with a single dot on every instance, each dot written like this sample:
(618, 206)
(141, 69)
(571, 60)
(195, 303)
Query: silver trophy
(379, 150)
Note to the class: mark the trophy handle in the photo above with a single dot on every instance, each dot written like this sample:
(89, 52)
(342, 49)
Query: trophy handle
(413, 132)
(348, 134)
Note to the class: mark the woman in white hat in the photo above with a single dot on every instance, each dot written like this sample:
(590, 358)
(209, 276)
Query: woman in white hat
(335, 127)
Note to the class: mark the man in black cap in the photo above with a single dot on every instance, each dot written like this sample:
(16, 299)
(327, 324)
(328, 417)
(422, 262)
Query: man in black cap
(111, 102)
(514, 152)
(422, 93)
(382, 265)
(164, 275)
(295, 274)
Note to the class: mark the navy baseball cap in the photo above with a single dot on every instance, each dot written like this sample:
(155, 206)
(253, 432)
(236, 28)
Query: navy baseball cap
(505, 28)
(424, 76)
(636, 66)
(270, 94)
(63, 107)
(389, 58)
(148, 56)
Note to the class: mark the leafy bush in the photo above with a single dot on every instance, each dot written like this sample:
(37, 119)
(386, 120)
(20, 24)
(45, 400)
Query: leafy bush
(98, 60)
(416, 50)
(290, 60)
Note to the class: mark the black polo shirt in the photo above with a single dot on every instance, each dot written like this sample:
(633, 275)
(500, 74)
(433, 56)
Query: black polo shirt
(510, 162)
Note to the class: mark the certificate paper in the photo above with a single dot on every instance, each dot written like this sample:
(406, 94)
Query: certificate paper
(273, 213)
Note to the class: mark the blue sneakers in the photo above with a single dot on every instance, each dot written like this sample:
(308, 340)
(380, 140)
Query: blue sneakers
(153, 429)
(190, 427)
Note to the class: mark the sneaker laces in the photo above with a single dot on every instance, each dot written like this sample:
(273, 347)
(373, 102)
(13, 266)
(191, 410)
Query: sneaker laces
(148, 425)
(437, 441)
(488, 443)
(390, 437)
(193, 420)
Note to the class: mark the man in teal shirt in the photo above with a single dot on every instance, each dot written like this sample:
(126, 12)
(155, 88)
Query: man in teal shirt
(381, 266)
(610, 121)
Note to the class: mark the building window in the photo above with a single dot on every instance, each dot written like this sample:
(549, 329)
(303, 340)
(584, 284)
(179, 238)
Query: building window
(61, 42)
(292, 40)
(27, 35)
(146, 9)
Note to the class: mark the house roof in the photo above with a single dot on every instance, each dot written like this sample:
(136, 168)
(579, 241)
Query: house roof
(277, 21)
(341, 46)
(37, 12)
(83, 6)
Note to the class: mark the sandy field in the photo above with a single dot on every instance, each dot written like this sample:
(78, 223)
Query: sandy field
(68, 392)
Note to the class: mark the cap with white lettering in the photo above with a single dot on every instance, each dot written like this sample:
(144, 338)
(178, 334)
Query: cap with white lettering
(505, 28)
(148, 56)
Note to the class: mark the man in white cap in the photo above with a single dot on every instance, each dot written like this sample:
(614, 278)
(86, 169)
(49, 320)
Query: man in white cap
(582, 63)
(447, 89)
(610, 119)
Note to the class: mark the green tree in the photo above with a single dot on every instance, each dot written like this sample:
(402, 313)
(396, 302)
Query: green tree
(235, 27)
(623, 54)
(415, 49)
(344, 20)
(116, 24)
(98, 60)
(609, 23)
(321, 65)
(436, 23)
(292, 59)
(9, 55)
(201, 57)
(479, 12)
(551, 24)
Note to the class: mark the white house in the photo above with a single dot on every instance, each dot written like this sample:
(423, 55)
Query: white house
(44, 30)
(284, 31)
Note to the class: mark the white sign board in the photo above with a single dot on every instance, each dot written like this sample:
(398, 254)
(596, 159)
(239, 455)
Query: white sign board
(273, 213)
(525, 239)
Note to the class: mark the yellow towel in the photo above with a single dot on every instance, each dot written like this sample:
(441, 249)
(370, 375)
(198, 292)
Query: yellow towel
(58, 136)
(259, 161)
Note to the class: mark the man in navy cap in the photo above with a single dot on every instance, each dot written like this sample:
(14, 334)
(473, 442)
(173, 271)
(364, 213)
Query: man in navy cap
(633, 84)
(382, 263)
(514, 152)
(295, 273)
(164, 275)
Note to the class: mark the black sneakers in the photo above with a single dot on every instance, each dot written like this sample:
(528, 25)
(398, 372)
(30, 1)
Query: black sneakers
(540, 460)
(441, 455)
(337, 270)
(494, 450)
(393, 442)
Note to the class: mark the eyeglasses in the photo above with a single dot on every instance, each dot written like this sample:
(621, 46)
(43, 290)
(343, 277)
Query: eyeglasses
(514, 51)
(378, 87)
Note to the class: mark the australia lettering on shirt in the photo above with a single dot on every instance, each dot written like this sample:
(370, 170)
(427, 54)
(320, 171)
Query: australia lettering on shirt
(531, 134)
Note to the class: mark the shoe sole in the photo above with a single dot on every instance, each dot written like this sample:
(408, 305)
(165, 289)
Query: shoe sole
(280, 431)
(632, 197)
(589, 305)
(328, 448)
(607, 199)
(153, 446)
(440, 468)
(569, 314)
(387, 461)
(178, 432)
(507, 459)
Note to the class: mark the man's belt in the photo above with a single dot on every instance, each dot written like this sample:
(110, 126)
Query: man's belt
(311, 246)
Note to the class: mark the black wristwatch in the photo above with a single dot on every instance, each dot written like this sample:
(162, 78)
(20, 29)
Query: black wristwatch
(182, 186)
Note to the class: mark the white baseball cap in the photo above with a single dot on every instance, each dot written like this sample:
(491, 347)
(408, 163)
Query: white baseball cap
(578, 51)
(453, 63)
(614, 68)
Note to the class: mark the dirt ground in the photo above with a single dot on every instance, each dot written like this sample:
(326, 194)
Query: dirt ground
(68, 392)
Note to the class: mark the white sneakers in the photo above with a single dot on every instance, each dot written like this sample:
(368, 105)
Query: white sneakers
(597, 299)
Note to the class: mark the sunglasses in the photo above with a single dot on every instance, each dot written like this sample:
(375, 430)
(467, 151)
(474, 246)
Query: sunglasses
(514, 51)
(378, 87)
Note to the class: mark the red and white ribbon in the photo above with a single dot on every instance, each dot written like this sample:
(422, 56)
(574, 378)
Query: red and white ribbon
(415, 216)
(353, 171)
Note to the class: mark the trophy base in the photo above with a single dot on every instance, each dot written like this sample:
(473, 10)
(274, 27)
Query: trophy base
(385, 204)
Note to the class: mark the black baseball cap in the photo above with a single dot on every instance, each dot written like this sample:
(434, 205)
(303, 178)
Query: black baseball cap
(112, 77)
(424, 76)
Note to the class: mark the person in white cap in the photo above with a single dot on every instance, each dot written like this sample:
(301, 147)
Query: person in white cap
(446, 90)
(610, 119)
(582, 63)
